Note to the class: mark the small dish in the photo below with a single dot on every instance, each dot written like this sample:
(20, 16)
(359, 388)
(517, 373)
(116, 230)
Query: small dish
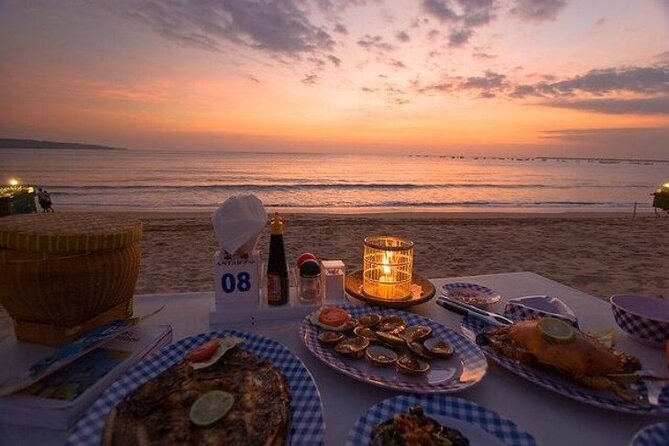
(644, 318)
(482, 426)
(470, 293)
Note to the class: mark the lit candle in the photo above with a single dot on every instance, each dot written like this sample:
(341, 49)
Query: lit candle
(386, 288)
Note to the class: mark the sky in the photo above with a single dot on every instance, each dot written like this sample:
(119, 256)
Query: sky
(459, 77)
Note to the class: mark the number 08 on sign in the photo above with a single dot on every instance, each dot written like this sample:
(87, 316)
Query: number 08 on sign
(237, 278)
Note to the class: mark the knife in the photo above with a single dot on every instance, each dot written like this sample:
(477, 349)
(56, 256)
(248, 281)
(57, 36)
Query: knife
(469, 310)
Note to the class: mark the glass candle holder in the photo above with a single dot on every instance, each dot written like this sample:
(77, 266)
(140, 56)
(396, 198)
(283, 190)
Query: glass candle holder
(387, 267)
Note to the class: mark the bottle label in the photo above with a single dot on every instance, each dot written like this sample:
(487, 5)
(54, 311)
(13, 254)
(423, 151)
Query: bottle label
(273, 288)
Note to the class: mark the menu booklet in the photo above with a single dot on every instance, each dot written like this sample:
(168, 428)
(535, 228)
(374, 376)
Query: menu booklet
(58, 400)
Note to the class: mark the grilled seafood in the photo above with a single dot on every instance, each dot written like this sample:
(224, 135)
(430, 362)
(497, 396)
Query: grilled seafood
(582, 357)
(158, 411)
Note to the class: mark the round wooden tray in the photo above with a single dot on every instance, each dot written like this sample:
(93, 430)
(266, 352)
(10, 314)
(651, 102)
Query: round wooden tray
(354, 288)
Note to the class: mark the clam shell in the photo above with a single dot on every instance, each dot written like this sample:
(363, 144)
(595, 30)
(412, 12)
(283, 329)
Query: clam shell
(415, 333)
(390, 339)
(380, 356)
(392, 324)
(365, 332)
(438, 347)
(369, 319)
(418, 350)
(352, 346)
(411, 366)
(350, 324)
(330, 337)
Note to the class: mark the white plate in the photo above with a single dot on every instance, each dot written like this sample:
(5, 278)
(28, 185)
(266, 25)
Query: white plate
(307, 422)
(563, 385)
(482, 426)
(470, 293)
(465, 368)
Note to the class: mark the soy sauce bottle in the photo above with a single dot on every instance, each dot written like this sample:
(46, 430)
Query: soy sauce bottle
(278, 287)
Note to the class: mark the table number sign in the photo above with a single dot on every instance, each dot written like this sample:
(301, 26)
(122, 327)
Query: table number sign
(237, 278)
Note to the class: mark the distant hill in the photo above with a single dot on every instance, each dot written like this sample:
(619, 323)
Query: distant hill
(9, 143)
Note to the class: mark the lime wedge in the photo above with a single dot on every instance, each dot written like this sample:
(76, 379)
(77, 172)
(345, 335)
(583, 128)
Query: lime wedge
(555, 330)
(211, 407)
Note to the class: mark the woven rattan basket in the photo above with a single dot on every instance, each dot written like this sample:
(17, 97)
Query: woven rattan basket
(62, 275)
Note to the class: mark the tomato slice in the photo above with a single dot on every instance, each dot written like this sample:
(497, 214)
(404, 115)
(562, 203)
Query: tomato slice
(333, 316)
(204, 352)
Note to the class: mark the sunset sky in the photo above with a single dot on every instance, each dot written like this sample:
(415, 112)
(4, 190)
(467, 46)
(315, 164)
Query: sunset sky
(488, 77)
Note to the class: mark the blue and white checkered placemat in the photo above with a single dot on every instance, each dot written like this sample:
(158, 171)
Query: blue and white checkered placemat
(307, 422)
(473, 361)
(653, 435)
(485, 295)
(439, 405)
(562, 385)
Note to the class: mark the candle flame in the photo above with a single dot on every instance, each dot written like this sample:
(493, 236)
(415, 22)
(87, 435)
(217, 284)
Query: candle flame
(386, 263)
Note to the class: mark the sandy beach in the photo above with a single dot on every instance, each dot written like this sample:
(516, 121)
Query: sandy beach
(600, 254)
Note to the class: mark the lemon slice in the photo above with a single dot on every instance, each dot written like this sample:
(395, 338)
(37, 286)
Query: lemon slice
(211, 407)
(555, 330)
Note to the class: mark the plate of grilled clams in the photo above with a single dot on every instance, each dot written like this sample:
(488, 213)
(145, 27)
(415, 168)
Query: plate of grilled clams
(393, 349)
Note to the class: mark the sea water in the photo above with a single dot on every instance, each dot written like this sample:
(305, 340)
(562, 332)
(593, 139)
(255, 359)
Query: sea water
(195, 180)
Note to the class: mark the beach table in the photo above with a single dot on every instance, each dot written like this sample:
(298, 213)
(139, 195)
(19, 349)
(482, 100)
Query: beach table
(552, 419)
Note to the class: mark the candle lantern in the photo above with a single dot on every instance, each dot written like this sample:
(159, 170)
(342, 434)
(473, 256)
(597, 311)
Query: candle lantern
(387, 267)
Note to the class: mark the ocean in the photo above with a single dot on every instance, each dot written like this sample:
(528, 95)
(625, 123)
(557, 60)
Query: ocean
(194, 180)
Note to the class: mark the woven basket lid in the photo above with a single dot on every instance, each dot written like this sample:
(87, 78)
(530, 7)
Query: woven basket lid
(68, 232)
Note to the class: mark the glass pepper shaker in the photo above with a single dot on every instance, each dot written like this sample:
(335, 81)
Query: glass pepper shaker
(310, 281)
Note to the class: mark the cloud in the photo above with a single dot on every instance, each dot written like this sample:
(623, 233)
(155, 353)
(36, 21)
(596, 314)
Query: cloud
(436, 88)
(489, 81)
(377, 43)
(472, 13)
(538, 10)
(463, 15)
(396, 63)
(441, 9)
(481, 55)
(310, 79)
(341, 29)
(276, 26)
(626, 140)
(460, 37)
(643, 80)
(334, 59)
(402, 36)
(641, 106)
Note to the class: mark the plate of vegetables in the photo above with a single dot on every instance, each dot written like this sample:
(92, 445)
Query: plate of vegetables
(438, 420)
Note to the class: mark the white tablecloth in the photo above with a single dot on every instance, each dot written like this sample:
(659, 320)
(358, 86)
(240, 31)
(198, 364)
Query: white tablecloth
(550, 418)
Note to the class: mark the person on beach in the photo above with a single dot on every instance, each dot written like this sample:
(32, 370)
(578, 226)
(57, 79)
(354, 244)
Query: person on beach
(44, 199)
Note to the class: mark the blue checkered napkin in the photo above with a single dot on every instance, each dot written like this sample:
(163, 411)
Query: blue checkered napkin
(653, 435)
(486, 295)
(474, 364)
(563, 385)
(646, 329)
(439, 405)
(307, 423)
